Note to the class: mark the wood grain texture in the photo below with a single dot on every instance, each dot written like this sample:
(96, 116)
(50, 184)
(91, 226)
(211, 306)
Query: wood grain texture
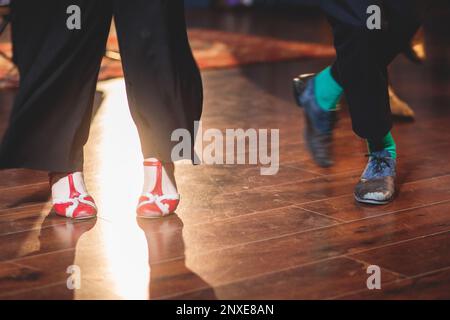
(238, 234)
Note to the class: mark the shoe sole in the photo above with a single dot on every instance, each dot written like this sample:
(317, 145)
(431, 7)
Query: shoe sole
(299, 86)
(85, 218)
(155, 218)
(311, 151)
(373, 202)
(77, 219)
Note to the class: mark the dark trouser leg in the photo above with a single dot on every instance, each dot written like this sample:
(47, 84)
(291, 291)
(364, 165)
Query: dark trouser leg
(335, 73)
(163, 82)
(363, 56)
(51, 116)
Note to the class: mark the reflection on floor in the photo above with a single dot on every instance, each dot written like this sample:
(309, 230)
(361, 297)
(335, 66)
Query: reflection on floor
(237, 234)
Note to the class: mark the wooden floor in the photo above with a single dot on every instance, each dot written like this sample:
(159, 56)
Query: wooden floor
(237, 234)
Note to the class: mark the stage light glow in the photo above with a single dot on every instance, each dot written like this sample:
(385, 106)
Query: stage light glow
(115, 169)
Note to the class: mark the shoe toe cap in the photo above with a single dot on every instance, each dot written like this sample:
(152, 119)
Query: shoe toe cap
(149, 211)
(376, 190)
(84, 212)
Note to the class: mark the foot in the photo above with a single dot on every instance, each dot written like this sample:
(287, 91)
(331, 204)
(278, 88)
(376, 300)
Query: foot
(399, 107)
(319, 123)
(377, 184)
(159, 197)
(70, 198)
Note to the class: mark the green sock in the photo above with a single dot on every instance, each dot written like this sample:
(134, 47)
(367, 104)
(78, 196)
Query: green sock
(388, 144)
(328, 92)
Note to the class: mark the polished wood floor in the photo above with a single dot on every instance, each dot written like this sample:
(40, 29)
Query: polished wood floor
(237, 234)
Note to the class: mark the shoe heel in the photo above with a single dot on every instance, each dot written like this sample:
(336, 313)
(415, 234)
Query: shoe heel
(299, 86)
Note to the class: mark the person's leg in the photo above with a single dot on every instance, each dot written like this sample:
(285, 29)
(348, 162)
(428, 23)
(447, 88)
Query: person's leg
(328, 89)
(403, 37)
(50, 120)
(362, 75)
(163, 83)
(362, 59)
(398, 107)
(403, 23)
(58, 67)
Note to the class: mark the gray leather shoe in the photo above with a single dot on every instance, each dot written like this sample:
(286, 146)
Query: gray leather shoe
(377, 184)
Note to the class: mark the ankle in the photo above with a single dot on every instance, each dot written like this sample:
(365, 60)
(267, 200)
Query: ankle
(67, 185)
(327, 90)
(159, 177)
(54, 177)
(387, 143)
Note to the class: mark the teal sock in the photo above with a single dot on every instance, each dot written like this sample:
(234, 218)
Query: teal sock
(328, 92)
(388, 144)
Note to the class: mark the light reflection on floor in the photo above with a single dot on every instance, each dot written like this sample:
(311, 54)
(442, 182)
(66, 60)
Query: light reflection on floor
(116, 178)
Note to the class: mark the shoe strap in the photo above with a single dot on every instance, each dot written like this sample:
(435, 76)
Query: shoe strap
(81, 198)
(152, 163)
(157, 190)
(74, 203)
(73, 191)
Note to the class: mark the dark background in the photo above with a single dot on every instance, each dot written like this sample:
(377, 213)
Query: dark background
(207, 3)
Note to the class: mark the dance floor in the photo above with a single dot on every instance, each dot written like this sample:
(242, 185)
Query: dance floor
(238, 234)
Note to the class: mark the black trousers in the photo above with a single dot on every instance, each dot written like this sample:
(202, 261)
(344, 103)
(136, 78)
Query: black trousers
(59, 67)
(363, 56)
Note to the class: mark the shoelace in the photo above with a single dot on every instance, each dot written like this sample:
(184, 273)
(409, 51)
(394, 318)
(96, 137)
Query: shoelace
(380, 163)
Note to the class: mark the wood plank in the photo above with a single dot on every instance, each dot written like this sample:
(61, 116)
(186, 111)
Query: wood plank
(59, 291)
(316, 281)
(414, 257)
(253, 227)
(303, 248)
(50, 236)
(231, 179)
(315, 189)
(13, 276)
(410, 195)
(165, 238)
(433, 286)
(26, 218)
(200, 204)
(11, 198)
(19, 177)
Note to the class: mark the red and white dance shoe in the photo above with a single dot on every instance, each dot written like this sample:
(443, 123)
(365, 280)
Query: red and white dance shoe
(70, 198)
(156, 203)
